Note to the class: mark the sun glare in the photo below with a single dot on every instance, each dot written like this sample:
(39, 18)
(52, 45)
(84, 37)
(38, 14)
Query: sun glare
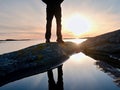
(77, 24)
(78, 57)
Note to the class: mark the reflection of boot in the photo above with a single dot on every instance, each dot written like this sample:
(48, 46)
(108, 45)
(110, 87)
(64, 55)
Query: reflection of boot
(60, 78)
(51, 81)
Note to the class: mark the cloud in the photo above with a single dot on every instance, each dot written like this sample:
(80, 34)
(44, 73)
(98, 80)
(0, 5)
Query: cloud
(29, 16)
(21, 16)
(23, 28)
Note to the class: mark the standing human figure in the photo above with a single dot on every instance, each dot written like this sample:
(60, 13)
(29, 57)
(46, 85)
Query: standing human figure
(53, 9)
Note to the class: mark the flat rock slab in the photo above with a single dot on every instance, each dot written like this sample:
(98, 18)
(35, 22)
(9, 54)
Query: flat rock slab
(43, 56)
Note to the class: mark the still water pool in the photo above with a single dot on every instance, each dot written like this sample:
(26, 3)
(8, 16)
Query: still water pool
(79, 72)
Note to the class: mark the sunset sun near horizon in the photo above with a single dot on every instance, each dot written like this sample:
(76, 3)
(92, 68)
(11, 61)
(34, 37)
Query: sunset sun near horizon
(77, 24)
(80, 18)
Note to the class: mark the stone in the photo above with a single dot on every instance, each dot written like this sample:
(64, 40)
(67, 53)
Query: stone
(107, 45)
(35, 59)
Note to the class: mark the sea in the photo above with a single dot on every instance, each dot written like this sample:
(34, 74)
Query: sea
(79, 72)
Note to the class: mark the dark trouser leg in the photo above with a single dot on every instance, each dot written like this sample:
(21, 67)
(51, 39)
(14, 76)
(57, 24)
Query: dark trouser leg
(49, 24)
(48, 30)
(58, 21)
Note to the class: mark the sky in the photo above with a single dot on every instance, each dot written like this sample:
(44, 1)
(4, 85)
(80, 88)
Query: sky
(24, 19)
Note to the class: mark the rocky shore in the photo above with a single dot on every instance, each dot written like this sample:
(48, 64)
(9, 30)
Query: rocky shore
(104, 46)
(35, 59)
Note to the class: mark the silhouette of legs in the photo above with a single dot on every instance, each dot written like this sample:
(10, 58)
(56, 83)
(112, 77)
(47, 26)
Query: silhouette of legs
(50, 14)
(49, 18)
(58, 21)
(60, 78)
(52, 84)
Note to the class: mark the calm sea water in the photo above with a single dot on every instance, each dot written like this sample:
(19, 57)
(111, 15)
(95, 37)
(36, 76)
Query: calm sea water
(80, 72)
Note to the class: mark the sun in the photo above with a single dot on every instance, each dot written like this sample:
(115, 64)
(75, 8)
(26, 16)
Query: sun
(77, 24)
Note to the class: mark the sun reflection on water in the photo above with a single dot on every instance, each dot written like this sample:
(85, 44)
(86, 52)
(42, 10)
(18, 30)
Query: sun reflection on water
(77, 41)
(78, 57)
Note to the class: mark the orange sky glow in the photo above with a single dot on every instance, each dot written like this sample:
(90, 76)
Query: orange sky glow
(80, 18)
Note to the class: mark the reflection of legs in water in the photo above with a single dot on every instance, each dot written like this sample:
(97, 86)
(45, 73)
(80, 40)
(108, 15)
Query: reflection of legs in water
(52, 84)
(60, 78)
(51, 81)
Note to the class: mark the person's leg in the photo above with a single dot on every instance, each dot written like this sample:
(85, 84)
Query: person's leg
(48, 25)
(59, 26)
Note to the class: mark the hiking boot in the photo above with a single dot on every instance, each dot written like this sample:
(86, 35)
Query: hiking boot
(47, 41)
(60, 41)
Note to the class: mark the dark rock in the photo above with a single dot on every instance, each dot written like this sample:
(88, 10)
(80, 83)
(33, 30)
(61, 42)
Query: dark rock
(107, 44)
(35, 59)
(111, 70)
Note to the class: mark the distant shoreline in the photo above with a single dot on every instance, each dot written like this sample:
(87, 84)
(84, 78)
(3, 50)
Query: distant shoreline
(32, 39)
(80, 38)
(15, 40)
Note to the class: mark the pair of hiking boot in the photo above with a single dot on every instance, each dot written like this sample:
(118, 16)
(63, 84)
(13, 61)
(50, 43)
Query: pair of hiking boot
(58, 40)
